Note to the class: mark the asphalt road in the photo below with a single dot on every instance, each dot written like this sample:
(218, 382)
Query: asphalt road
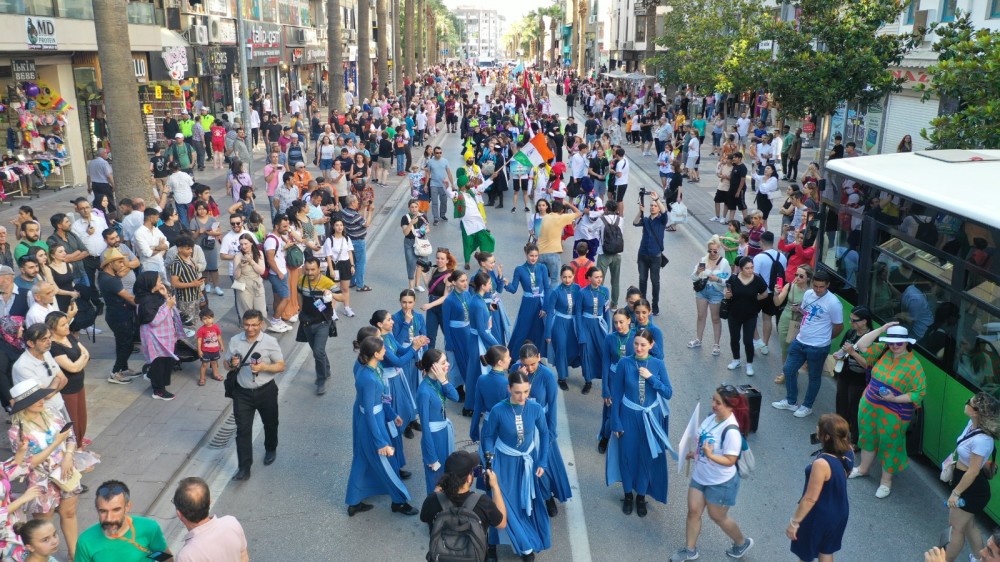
(294, 509)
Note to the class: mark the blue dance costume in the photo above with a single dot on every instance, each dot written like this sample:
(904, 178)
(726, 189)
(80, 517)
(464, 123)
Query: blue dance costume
(404, 332)
(657, 350)
(593, 321)
(534, 283)
(372, 474)
(501, 322)
(394, 364)
(560, 327)
(545, 391)
(455, 313)
(480, 339)
(517, 436)
(616, 345)
(437, 440)
(490, 391)
(638, 459)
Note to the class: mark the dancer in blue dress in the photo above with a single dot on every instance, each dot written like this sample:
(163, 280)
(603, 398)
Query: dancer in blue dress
(374, 470)
(642, 321)
(533, 278)
(365, 332)
(480, 338)
(407, 323)
(498, 314)
(396, 359)
(518, 438)
(637, 453)
(437, 440)
(617, 344)
(560, 325)
(455, 317)
(554, 484)
(491, 388)
(593, 325)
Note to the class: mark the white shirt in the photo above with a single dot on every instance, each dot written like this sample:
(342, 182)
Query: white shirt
(38, 312)
(273, 242)
(349, 98)
(294, 106)
(622, 167)
(980, 444)
(819, 315)
(777, 145)
(28, 368)
(254, 119)
(606, 222)
(743, 126)
(706, 471)
(694, 145)
(180, 184)
(338, 249)
(762, 264)
(230, 246)
(421, 121)
(578, 165)
(130, 224)
(94, 242)
(145, 241)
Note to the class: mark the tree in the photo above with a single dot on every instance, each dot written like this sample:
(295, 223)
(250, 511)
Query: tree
(335, 54)
(397, 58)
(833, 52)
(582, 12)
(408, 51)
(364, 49)
(382, 42)
(130, 163)
(418, 38)
(649, 63)
(968, 70)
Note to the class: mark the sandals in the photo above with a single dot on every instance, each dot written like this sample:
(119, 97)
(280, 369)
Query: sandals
(716, 350)
(694, 343)
(201, 382)
(780, 379)
(218, 378)
(364, 289)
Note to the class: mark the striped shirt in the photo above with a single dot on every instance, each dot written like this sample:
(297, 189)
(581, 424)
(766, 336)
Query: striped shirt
(186, 273)
(355, 224)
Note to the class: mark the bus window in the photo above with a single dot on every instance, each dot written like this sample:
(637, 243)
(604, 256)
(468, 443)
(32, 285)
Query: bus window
(900, 292)
(979, 347)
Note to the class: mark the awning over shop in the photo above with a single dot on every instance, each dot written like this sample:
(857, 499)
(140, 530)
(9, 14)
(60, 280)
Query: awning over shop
(169, 38)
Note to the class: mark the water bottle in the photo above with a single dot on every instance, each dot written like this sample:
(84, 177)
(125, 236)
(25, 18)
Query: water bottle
(959, 503)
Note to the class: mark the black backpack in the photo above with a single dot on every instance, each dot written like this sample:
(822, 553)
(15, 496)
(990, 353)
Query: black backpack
(457, 533)
(777, 270)
(927, 231)
(613, 242)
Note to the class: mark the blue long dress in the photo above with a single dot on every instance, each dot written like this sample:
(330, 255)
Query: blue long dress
(394, 364)
(593, 321)
(437, 440)
(455, 315)
(545, 391)
(638, 459)
(404, 332)
(490, 391)
(822, 529)
(480, 339)
(515, 462)
(616, 345)
(657, 350)
(372, 474)
(560, 327)
(534, 283)
(501, 321)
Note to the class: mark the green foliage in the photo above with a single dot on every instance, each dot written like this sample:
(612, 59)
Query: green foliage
(968, 70)
(834, 52)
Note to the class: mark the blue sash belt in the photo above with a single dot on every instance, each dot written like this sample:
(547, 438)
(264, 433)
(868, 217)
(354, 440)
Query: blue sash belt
(528, 481)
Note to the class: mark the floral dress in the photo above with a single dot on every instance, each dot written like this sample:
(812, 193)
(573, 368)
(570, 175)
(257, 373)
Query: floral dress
(10, 547)
(39, 438)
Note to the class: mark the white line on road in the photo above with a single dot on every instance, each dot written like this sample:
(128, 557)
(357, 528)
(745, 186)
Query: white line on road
(576, 523)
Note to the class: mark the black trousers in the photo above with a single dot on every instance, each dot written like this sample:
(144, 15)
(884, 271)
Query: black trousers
(747, 326)
(793, 169)
(850, 388)
(649, 269)
(246, 403)
(159, 371)
(124, 329)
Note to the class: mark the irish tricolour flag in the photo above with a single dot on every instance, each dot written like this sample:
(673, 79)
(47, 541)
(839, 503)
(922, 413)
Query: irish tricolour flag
(535, 153)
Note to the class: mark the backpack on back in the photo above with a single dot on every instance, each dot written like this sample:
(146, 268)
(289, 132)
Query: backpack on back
(457, 533)
(777, 270)
(927, 231)
(746, 462)
(613, 242)
(580, 272)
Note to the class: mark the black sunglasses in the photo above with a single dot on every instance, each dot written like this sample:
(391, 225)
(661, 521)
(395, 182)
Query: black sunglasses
(727, 389)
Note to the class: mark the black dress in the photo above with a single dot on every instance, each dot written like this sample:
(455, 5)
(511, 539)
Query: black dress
(65, 283)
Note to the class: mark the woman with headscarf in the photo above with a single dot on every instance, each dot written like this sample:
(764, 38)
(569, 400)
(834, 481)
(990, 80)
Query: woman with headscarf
(159, 329)
(11, 347)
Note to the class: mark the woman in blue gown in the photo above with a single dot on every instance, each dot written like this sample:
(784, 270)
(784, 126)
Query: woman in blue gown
(642, 321)
(437, 440)
(554, 484)
(617, 344)
(407, 323)
(455, 317)
(498, 314)
(593, 325)
(518, 438)
(480, 338)
(560, 325)
(374, 469)
(491, 388)
(637, 453)
(533, 279)
(396, 359)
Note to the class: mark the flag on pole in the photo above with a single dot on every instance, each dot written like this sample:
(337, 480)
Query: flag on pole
(519, 68)
(689, 440)
(535, 152)
(527, 88)
(527, 123)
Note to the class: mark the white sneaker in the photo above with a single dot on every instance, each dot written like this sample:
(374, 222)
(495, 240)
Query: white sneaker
(294, 319)
(749, 369)
(883, 492)
(348, 312)
(420, 288)
(784, 405)
(722, 220)
(734, 364)
(96, 330)
(802, 412)
(763, 350)
(714, 219)
(335, 317)
(757, 344)
(219, 291)
(208, 287)
(276, 326)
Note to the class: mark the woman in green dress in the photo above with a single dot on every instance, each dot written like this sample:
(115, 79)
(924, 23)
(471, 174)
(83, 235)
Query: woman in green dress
(791, 295)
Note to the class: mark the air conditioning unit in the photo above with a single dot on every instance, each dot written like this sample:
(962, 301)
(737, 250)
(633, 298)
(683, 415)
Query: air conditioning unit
(628, 45)
(592, 19)
(198, 35)
(214, 29)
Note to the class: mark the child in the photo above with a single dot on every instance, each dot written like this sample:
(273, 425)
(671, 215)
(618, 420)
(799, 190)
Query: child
(210, 346)
(731, 241)
(581, 264)
(218, 144)
(158, 165)
(416, 178)
(744, 245)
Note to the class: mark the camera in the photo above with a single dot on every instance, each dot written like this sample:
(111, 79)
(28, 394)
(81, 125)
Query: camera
(424, 264)
(813, 439)
(642, 195)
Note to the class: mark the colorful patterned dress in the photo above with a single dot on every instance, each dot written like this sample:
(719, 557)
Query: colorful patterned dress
(10, 547)
(882, 424)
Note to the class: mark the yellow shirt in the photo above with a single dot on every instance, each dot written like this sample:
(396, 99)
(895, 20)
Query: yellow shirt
(550, 235)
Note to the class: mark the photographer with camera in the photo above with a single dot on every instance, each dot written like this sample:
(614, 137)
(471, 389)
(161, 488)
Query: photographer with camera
(455, 490)
(651, 257)
(415, 227)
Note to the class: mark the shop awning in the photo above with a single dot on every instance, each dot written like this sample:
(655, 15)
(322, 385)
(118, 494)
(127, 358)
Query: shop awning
(170, 38)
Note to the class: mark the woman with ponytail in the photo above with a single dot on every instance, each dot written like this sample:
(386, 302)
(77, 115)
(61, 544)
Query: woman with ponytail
(437, 440)
(617, 345)
(560, 325)
(593, 325)
(715, 481)
(500, 322)
(407, 324)
(455, 322)
(491, 387)
(395, 361)
(374, 468)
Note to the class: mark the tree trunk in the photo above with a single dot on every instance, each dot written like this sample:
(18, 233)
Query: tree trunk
(335, 54)
(408, 50)
(382, 42)
(397, 58)
(364, 50)
(552, 40)
(541, 39)
(581, 66)
(432, 42)
(130, 163)
(418, 41)
(650, 35)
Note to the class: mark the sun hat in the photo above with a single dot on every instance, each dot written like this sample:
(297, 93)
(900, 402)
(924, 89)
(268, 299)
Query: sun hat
(897, 334)
(110, 255)
(26, 393)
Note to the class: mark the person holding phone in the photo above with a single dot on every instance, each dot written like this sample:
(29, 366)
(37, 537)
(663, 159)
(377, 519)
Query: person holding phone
(118, 535)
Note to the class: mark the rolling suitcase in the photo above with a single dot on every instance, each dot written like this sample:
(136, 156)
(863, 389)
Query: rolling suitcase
(753, 397)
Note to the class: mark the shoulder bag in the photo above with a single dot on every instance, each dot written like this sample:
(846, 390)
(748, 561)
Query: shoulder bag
(229, 385)
(702, 282)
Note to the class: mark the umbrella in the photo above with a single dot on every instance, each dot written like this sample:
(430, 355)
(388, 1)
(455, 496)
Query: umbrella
(616, 74)
(637, 76)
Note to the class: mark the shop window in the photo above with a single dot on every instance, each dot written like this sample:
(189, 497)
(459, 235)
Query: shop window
(995, 9)
(76, 9)
(28, 7)
(910, 13)
(948, 9)
(141, 13)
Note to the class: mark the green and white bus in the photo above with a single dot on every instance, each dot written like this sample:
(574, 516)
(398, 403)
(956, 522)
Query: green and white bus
(915, 237)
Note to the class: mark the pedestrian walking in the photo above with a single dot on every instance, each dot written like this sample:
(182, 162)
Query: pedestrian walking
(745, 291)
(437, 440)
(118, 535)
(209, 538)
(317, 321)
(159, 329)
(650, 256)
(561, 305)
(455, 319)
(533, 279)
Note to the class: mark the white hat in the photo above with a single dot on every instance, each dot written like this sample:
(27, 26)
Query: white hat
(179, 136)
(26, 393)
(897, 334)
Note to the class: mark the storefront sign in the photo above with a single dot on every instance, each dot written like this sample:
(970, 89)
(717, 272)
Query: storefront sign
(141, 68)
(911, 76)
(218, 7)
(227, 32)
(264, 45)
(215, 61)
(41, 34)
(176, 61)
(314, 55)
(23, 70)
(147, 108)
(158, 92)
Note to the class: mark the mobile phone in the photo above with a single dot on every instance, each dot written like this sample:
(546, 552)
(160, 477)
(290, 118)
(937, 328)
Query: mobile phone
(779, 283)
(160, 556)
(813, 439)
(66, 427)
(20, 433)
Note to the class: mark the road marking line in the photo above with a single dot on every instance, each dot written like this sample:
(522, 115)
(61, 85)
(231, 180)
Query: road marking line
(576, 523)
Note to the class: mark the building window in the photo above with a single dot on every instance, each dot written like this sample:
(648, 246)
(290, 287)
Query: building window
(141, 13)
(28, 7)
(995, 9)
(911, 12)
(948, 8)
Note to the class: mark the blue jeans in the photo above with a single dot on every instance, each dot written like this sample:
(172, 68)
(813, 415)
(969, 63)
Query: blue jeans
(552, 262)
(359, 263)
(400, 161)
(182, 210)
(798, 354)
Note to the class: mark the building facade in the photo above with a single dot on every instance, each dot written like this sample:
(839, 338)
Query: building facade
(482, 32)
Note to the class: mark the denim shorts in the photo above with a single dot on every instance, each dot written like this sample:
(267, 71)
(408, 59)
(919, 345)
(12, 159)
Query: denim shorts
(280, 286)
(720, 494)
(710, 293)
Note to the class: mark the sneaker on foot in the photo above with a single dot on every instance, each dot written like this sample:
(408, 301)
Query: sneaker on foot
(758, 344)
(421, 288)
(739, 550)
(163, 395)
(749, 369)
(293, 319)
(684, 554)
(208, 287)
(714, 219)
(784, 405)
(348, 312)
(219, 291)
(802, 412)
(119, 378)
(763, 350)
(734, 364)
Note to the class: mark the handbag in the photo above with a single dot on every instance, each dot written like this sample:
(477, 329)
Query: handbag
(207, 242)
(422, 247)
(699, 285)
(70, 484)
(229, 385)
(724, 309)
(294, 257)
